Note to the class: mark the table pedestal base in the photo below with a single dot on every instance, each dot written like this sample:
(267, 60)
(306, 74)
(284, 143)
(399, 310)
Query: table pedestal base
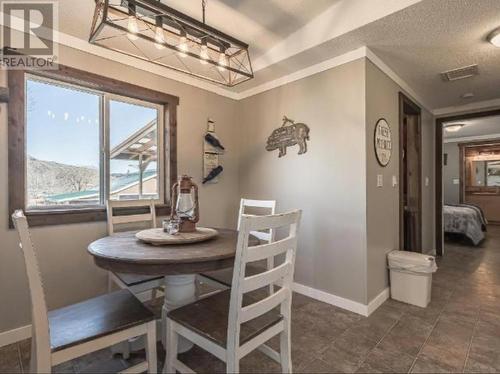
(179, 290)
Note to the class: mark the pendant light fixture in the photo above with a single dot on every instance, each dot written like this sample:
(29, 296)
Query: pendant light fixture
(154, 32)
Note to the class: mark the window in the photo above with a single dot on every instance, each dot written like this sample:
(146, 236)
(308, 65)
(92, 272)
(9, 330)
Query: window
(76, 138)
(493, 173)
(84, 146)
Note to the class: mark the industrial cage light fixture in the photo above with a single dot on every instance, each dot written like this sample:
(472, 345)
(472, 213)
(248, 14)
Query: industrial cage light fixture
(154, 32)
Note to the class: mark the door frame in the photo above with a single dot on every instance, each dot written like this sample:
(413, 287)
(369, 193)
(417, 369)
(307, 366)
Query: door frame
(406, 101)
(439, 167)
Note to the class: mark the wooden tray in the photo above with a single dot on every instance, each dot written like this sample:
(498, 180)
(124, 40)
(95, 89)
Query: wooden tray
(160, 237)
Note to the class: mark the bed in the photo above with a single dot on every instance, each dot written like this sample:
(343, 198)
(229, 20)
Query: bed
(465, 219)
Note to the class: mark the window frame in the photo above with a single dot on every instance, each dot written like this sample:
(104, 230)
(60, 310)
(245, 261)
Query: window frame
(97, 84)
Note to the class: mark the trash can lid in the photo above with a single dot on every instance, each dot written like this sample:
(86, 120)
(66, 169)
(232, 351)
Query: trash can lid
(404, 259)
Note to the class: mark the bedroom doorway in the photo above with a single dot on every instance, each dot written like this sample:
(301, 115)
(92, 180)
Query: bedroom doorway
(410, 171)
(467, 177)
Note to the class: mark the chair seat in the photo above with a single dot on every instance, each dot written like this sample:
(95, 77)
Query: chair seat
(225, 276)
(209, 318)
(94, 318)
(131, 280)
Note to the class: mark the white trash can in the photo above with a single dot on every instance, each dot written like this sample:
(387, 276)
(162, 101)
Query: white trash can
(411, 277)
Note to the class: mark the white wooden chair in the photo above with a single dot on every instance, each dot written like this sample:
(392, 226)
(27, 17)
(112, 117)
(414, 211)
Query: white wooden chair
(76, 330)
(136, 283)
(231, 324)
(222, 278)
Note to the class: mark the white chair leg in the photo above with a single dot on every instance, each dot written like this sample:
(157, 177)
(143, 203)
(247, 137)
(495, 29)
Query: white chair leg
(232, 363)
(151, 348)
(122, 348)
(172, 339)
(285, 350)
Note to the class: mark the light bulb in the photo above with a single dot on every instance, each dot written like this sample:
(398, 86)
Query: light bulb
(132, 27)
(222, 62)
(160, 38)
(204, 54)
(183, 47)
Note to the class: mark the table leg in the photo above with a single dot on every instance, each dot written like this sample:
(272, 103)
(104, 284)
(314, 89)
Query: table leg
(179, 291)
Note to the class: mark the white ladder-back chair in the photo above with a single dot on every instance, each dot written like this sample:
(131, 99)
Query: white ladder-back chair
(76, 330)
(218, 323)
(223, 278)
(134, 282)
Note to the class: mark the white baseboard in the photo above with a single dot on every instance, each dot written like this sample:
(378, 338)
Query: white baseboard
(341, 302)
(15, 335)
(378, 300)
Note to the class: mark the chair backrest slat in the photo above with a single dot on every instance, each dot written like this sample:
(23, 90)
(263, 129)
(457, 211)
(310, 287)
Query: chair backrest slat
(263, 306)
(262, 251)
(40, 323)
(269, 205)
(265, 278)
(130, 218)
(282, 274)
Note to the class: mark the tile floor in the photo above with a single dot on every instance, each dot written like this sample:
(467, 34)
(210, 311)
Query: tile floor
(458, 331)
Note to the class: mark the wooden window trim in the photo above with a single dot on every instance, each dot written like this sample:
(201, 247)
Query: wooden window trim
(17, 141)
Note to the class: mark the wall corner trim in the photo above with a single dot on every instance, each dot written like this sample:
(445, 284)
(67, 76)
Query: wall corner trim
(341, 302)
(15, 335)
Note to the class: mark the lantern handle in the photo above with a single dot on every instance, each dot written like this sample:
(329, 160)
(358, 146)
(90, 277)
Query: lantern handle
(197, 204)
(173, 200)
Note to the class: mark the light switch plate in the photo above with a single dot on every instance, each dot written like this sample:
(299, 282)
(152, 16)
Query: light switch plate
(426, 181)
(380, 180)
(456, 181)
(394, 181)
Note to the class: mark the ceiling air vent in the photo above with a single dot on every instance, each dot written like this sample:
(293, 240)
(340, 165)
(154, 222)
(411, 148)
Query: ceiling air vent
(460, 73)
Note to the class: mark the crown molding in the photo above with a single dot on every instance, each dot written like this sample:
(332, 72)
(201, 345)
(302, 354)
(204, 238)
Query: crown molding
(472, 107)
(83, 45)
(396, 78)
(304, 73)
(471, 138)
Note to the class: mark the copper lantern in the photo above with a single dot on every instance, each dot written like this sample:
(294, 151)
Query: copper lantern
(187, 209)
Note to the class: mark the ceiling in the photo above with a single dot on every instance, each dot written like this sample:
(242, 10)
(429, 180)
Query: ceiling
(259, 23)
(475, 127)
(417, 39)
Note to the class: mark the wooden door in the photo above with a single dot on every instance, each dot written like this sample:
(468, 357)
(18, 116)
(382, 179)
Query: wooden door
(411, 179)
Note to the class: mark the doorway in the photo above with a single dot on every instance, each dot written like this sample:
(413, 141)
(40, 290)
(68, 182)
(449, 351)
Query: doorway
(466, 193)
(410, 172)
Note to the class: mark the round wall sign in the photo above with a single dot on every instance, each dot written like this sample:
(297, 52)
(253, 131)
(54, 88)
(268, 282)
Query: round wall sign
(383, 142)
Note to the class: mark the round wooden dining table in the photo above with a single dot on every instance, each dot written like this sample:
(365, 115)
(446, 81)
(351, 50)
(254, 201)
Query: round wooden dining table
(178, 264)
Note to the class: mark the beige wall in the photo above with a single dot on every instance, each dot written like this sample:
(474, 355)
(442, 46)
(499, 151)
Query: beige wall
(382, 101)
(328, 182)
(68, 271)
